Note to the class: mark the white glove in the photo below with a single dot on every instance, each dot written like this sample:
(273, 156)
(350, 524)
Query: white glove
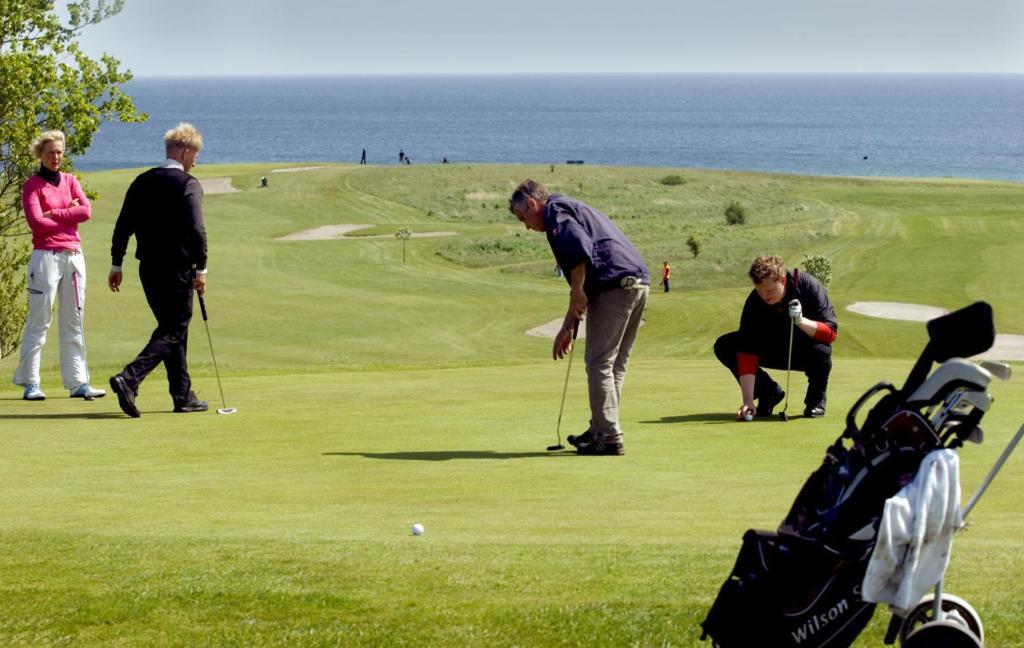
(796, 311)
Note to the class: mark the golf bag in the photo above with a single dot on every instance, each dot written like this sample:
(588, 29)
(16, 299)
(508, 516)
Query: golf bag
(801, 585)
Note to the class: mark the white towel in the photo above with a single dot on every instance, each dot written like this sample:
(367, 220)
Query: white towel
(916, 534)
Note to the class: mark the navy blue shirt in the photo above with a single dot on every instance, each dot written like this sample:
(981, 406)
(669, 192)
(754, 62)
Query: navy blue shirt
(578, 233)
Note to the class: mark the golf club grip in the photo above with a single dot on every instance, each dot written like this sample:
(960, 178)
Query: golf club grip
(575, 330)
(202, 306)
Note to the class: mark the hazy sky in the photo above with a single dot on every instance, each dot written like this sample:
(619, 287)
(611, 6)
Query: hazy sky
(231, 37)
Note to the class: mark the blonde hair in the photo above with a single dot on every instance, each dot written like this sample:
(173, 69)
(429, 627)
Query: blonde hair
(184, 135)
(40, 142)
(767, 266)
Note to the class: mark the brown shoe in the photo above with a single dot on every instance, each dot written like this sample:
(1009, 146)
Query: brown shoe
(579, 440)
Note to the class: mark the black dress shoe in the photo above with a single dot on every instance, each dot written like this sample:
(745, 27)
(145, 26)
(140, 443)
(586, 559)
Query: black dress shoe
(814, 412)
(125, 396)
(193, 404)
(765, 404)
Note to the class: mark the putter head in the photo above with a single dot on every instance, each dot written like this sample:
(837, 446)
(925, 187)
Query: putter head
(227, 410)
(556, 447)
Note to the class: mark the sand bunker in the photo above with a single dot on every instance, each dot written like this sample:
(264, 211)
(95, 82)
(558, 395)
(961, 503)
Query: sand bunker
(294, 169)
(330, 232)
(1006, 347)
(897, 311)
(217, 186)
(551, 329)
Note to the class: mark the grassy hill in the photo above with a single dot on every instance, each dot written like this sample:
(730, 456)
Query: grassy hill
(373, 394)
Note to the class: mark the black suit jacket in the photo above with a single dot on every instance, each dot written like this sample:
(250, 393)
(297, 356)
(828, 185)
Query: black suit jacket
(164, 210)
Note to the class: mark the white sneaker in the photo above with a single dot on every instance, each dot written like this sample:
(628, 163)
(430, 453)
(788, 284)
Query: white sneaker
(33, 393)
(87, 392)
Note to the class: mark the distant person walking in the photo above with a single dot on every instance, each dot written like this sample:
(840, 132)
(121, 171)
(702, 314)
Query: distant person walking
(401, 156)
(666, 274)
(163, 209)
(362, 159)
(609, 283)
(54, 205)
(763, 337)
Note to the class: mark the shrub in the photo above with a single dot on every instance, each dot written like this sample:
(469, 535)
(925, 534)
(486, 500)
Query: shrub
(672, 180)
(14, 254)
(694, 246)
(735, 213)
(820, 267)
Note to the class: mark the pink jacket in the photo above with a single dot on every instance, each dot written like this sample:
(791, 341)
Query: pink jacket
(58, 230)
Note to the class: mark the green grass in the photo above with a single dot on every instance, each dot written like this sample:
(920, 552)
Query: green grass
(374, 394)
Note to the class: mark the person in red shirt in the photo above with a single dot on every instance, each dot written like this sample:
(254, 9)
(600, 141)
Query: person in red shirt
(763, 337)
(666, 274)
(54, 206)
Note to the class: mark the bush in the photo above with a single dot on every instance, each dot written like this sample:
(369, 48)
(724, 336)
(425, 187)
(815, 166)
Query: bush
(672, 180)
(694, 246)
(14, 254)
(735, 213)
(820, 267)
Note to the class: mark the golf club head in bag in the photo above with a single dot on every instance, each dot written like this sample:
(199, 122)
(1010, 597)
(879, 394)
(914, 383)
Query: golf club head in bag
(224, 409)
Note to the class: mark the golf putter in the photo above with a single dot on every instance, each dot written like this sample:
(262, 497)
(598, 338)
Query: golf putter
(224, 408)
(558, 428)
(789, 366)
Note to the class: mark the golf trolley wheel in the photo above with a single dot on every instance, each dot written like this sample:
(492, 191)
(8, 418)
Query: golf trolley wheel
(956, 610)
(942, 634)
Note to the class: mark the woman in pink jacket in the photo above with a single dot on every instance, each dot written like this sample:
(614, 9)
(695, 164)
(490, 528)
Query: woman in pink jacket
(54, 205)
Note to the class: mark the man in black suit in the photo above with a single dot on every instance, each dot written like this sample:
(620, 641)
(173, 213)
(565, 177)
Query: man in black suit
(164, 210)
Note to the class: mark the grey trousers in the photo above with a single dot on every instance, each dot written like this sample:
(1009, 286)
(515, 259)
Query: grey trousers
(613, 319)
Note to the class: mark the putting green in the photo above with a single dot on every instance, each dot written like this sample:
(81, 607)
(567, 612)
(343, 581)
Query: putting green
(373, 395)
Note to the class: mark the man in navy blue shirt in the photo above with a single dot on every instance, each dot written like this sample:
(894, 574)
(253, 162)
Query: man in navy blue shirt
(609, 283)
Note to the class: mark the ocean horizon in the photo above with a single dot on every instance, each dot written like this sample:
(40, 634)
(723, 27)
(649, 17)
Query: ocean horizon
(886, 125)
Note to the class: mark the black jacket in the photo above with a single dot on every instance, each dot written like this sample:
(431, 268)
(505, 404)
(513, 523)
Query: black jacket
(164, 210)
(764, 327)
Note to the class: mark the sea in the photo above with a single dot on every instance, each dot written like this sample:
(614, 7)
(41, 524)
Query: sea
(937, 125)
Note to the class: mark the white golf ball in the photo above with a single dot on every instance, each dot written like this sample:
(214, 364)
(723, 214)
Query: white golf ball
(417, 529)
(748, 417)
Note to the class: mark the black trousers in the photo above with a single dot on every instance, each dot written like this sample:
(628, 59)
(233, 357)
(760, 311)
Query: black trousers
(169, 293)
(812, 358)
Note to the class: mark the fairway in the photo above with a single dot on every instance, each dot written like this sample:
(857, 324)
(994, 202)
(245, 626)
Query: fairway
(374, 394)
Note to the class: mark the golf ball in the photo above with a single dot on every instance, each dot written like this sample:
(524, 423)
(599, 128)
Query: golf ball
(417, 529)
(748, 417)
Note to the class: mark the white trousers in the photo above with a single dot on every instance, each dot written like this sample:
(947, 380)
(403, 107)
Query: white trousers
(52, 275)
